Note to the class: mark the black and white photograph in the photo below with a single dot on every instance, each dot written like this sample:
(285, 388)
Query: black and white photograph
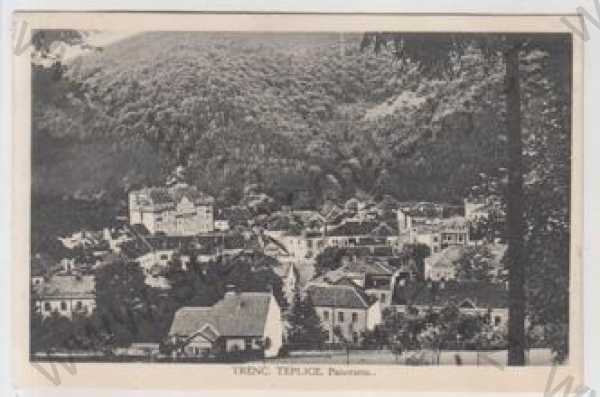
(313, 198)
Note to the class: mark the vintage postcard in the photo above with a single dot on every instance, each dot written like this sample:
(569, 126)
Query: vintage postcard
(297, 201)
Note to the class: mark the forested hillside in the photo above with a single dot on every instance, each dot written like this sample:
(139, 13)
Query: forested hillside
(307, 117)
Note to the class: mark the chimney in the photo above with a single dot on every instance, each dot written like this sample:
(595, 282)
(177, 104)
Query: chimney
(106, 234)
(230, 290)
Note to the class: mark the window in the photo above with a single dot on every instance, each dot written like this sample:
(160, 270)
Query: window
(354, 317)
(159, 219)
(248, 343)
(63, 306)
(79, 305)
(164, 257)
(497, 320)
(47, 306)
(326, 316)
(341, 317)
(435, 239)
(382, 297)
(355, 338)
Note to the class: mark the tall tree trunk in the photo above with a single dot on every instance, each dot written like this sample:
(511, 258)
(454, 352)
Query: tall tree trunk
(515, 210)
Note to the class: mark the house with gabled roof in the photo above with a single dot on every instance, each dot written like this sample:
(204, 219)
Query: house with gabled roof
(65, 294)
(344, 308)
(241, 322)
(471, 297)
(375, 276)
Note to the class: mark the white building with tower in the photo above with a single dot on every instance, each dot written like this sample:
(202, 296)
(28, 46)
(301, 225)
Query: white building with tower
(179, 210)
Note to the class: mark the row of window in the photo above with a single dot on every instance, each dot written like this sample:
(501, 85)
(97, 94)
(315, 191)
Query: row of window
(355, 337)
(340, 317)
(63, 306)
(449, 238)
(159, 219)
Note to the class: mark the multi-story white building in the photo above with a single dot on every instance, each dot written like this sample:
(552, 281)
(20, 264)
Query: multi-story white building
(435, 232)
(180, 210)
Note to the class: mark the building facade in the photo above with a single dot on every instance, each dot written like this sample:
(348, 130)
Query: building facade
(435, 232)
(65, 295)
(177, 210)
(345, 311)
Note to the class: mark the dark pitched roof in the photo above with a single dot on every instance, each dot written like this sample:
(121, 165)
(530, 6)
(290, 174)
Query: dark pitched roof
(140, 229)
(172, 195)
(159, 196)
(134, 249)
(364, 266)
(358, 228)
(192, 193)
(357, 251)
(384, 230)
(181, 242)
(383, 251)
(388, 203)
(353, 228)
(328, 207)
(67, 287)
(241, 314)
(279, 222)
(205, 244)
(270, 240)
(234, 241)
(235, 214)
(338, 296)
(368, 266)
(482, 294)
